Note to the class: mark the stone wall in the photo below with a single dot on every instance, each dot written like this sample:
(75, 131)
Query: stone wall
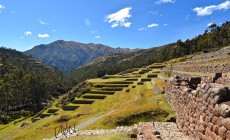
(202, 107)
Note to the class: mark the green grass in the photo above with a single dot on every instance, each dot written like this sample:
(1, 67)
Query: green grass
(134, 105)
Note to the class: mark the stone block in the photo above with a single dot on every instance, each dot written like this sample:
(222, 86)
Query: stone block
(225, 123)
(211, 134)
(225, 110)
(215, 128)
(228, 135)
(222, 132)
(201, 129)
(210, 126)
(219, 121)
(214, 118)
(216, 111)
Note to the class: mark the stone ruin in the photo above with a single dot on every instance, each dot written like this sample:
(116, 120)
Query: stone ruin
(202, 106)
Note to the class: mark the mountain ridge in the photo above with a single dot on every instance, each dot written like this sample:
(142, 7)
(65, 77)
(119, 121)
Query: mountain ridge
(66, 55)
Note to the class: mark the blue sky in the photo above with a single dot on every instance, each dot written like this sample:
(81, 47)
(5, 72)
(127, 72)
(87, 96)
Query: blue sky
(116, 23)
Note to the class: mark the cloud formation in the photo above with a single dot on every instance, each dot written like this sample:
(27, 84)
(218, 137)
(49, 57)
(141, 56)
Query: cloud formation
(140, 29)
(165, 1)
(208, 10)
(42, 22)
(27, 33)
(152, 25)
(1, 8)
(97, 37)
(93, 31)
(120, 18)
(43, 35)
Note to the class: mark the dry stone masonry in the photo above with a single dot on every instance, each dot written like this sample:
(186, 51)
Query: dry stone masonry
(157, 131)
(202, 107)
(211, 62)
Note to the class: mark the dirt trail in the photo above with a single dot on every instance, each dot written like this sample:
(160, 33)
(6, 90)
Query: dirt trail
(81, 125)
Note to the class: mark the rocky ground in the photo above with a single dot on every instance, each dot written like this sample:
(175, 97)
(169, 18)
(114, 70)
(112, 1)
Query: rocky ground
(141, 131)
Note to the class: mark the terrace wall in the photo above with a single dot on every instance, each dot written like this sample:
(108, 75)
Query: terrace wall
(202, 107)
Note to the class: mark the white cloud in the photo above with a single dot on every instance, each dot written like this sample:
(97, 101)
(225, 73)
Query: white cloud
(152, 25)
(97, 37)
(42, 22)
(165, 1)
(154, 12)
(21, 37)
(93, 31)
(120, 18)
(43, 35)
(165, 24)
(208, 10)
(54, 30)
(1, 8)
(12, 12)
(27, 33)
(140, 29)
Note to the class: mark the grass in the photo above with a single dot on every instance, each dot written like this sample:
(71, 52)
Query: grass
(132, 105)
(138, 101)
(112, 136)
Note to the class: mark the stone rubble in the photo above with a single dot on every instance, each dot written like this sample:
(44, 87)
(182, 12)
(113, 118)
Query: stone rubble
(141, 131)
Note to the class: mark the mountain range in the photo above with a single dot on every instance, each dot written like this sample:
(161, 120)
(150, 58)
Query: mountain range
(67, 55)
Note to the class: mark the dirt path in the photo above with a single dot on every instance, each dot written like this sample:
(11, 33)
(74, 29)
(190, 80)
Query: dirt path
(90, 121)
(81, 125)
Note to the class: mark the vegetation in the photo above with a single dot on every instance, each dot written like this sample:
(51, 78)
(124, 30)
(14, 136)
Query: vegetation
(213, 38)
(26, 85)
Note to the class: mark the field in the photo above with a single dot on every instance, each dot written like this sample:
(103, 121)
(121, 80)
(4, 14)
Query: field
(128, 101)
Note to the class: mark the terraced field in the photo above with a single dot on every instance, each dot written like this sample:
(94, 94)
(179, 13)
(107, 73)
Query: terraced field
(205, 64)
(131, 95)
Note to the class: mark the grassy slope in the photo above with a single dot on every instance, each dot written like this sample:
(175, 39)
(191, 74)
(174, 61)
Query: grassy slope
(126, 104)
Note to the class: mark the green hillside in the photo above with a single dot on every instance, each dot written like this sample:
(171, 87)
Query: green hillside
(26, 85)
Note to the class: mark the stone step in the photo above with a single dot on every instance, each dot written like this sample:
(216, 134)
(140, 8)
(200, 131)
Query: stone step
(101, 92)
(46, 115)
(70, 107)
(52, 110)
(77, 101)
(93, 96)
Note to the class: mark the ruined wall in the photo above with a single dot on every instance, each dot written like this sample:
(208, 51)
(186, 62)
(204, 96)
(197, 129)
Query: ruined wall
(202, 107)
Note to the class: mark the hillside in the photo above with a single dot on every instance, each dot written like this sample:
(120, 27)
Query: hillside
(102, 103)
(26, 85)
(215, 37)
(66, 55)
(109, 106)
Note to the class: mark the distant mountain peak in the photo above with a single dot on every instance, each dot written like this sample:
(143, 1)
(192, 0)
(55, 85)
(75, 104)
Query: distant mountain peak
(67, 55)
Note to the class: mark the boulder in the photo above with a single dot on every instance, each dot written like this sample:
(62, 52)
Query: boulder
(225, 110)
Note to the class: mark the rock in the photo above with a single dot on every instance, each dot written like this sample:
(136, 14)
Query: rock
(226, 123)
(133, 135)
(194, 81)
(156, 132)
(210, 134)
(216, 76)
(228, 135)
(222, 132)
(225, 110)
